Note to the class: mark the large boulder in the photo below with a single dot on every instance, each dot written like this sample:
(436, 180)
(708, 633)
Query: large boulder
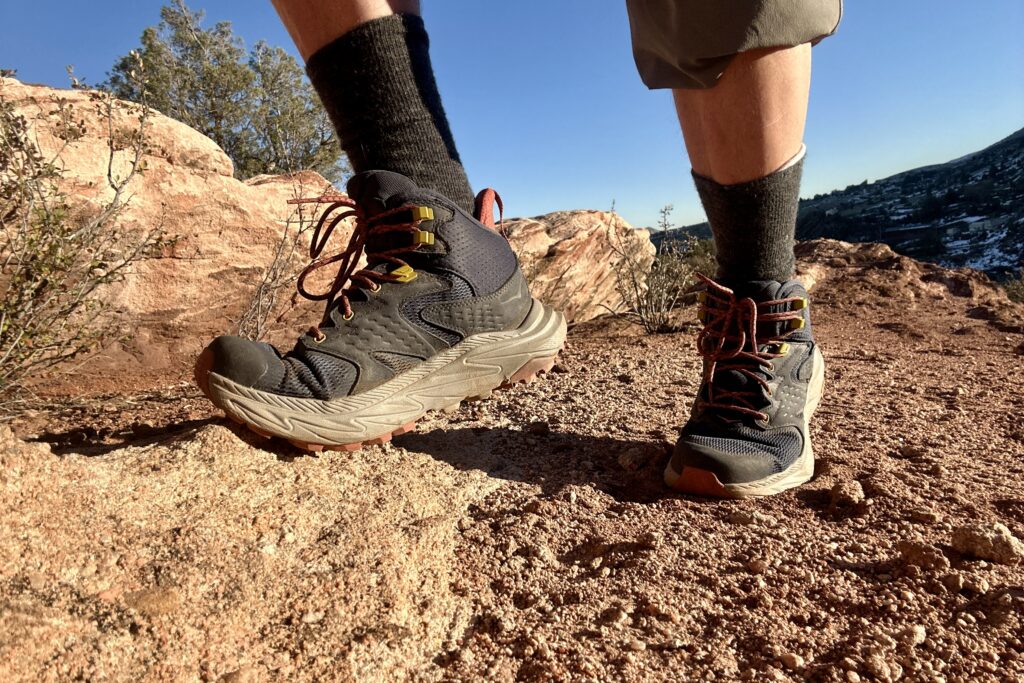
(571, 258)
(225, 230)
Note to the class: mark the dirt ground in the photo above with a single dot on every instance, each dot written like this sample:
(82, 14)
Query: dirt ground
(529, 537)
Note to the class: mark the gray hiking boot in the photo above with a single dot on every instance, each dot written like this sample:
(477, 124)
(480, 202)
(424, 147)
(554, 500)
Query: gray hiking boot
(440, 313)
(763, 377)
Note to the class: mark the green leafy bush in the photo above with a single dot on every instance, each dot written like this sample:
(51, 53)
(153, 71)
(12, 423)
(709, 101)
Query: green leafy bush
(257, 106)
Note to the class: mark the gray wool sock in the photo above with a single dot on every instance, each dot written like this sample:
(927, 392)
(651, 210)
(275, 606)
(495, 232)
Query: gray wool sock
(378, 87)
(754, 223)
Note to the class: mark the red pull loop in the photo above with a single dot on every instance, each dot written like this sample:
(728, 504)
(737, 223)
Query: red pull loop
(483, 209)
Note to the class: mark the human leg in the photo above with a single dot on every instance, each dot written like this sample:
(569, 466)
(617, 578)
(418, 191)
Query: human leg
(752, 121)
(744, 138)
(440, 313)
(369, 62)
(740, 71)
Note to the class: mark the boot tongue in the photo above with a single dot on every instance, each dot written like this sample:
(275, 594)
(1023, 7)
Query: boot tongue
(734, 380)
(377, 191)
(758, 290)
(771, 290)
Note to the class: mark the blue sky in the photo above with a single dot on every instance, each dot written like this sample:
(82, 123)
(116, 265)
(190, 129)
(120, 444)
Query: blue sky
(547, 107)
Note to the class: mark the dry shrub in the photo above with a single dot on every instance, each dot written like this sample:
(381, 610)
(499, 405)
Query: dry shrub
(655, 291)
(1014, 287)
(55, 256)
(266, 305)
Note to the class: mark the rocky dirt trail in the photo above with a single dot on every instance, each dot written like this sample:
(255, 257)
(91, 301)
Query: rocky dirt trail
(530, 538)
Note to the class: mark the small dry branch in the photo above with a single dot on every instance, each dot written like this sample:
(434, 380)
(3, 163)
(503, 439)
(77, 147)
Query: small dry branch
(56, 256)
(653, 291)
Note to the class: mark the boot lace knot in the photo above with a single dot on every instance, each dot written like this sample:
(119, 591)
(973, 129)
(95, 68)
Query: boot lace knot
(744, 336)
(349, 275)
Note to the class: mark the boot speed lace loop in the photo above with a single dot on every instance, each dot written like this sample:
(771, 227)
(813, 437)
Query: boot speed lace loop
(483, 209)
(339, 208)
(732, 340)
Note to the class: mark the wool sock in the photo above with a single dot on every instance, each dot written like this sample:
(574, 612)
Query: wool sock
(754, 223)
(378, 87)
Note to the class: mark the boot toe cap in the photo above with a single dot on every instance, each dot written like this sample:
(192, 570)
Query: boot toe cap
(242, 361)
(733, 461)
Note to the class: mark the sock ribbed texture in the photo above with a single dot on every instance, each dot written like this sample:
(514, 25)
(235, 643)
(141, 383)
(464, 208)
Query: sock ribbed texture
(754, 224)
(378, 87)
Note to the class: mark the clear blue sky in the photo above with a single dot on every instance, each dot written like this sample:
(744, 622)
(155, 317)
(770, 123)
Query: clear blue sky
(547, 107)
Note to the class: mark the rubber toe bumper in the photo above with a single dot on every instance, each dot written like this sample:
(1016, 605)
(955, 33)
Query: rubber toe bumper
(707, 472)
(728, 468)
(243, 361)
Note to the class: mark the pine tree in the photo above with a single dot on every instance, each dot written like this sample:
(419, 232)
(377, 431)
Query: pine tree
(257, 106)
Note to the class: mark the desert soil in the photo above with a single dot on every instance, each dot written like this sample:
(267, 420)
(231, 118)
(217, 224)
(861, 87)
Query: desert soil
(529, 537)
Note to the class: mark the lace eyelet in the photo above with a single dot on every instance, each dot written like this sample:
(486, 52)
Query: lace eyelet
(348, 317)
(374, 289)
(319, 339)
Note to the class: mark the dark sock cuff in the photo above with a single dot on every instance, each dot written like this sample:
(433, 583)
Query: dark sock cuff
(367, 70)
(377, 84)
(754, 224)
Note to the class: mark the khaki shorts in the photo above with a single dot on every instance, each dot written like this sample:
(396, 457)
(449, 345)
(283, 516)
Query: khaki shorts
(688, 43)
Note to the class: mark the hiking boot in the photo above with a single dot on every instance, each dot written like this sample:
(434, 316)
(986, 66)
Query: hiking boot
(441, 312)
(763, 376)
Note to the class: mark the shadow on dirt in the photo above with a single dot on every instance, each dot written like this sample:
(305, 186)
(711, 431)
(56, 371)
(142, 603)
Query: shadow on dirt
(818, 501)
(88, 440)
(629, 469)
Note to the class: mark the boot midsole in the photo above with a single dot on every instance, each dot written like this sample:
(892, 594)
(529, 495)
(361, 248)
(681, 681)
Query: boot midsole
(473, 367)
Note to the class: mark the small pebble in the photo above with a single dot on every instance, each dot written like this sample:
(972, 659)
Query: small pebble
(36, 581)
(925, 516)
(912, 452)
(914, 635)
(757, 566)
(954, 582)
(976, 584)
(846, 494)
(312, 617)
(792, 661)
(923, 555)
(993, 542)
(614, 616)
(744, 517)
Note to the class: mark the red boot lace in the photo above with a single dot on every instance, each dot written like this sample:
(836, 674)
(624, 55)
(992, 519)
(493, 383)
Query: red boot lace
(731, 340)
(365, 227)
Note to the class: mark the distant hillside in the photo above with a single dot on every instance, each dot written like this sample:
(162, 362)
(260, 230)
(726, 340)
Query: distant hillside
(968, 212)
